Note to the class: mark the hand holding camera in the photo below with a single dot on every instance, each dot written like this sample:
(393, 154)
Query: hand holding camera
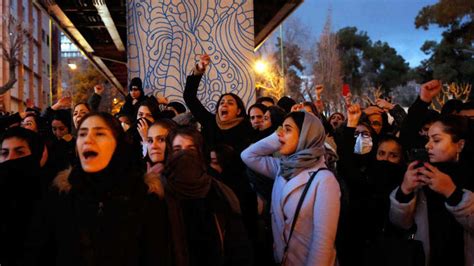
(412, 179)
(437, 181)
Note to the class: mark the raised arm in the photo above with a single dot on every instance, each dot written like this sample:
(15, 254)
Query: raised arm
(94, 100)
(190, 92)
(417, 113)
(258, 156)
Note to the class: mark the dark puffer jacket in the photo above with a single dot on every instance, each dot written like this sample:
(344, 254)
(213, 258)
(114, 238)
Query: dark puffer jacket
(106, 219)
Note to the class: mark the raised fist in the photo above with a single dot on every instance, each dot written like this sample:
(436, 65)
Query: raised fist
(429, 90)
(204, 61)
(63, 103)
(98, 89)
(353, 115)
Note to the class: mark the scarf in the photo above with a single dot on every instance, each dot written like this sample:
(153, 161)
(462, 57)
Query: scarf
(228, 124)
(310, 148)
(185, 178)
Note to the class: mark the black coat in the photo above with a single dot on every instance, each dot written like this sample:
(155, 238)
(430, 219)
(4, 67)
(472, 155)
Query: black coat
(238, 137)
(131, 109)
(20, 192)
(97, 220)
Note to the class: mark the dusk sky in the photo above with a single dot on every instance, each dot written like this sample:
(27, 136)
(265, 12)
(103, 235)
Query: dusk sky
(390, 21)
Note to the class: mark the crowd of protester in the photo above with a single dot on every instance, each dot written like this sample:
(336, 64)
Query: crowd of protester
(285, 183)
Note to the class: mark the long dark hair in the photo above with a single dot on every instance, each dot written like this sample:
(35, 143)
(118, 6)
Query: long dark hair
(122, 157)
(240, 103)
(459, 129)
(277, 116)
(154, 109)
(454, 125)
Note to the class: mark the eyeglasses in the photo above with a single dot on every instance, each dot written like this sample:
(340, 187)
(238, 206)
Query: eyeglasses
(134, 88)
(365, 134)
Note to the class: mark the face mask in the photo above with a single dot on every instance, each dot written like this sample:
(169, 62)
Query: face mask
(363, 145)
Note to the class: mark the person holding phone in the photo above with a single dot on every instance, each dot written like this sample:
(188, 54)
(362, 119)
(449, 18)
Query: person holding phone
(437, 196)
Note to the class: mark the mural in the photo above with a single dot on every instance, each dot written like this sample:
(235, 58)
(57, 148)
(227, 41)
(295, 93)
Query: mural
(166, 37)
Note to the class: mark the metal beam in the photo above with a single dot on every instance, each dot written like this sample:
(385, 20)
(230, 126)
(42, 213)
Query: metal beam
(109, 23)
(63, 22)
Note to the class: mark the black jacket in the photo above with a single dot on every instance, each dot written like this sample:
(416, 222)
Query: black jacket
(99, 220)
(238, 137)
(20, 192)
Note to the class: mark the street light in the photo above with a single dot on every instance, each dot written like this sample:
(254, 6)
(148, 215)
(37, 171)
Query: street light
(72, 66)
(261, 67)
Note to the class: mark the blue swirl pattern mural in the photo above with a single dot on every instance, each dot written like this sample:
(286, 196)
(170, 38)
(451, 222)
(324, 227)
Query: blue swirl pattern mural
(165, 39)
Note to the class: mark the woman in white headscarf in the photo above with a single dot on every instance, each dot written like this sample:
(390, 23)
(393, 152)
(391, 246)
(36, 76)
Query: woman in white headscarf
(310, 241)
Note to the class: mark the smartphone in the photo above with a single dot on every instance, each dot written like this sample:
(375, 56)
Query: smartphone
(345, 90)
(420, 155)
(149, 123)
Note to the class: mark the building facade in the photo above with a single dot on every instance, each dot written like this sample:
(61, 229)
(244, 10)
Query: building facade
(35, 54)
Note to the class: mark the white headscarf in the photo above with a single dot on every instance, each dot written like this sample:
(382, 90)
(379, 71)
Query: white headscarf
(309, 150)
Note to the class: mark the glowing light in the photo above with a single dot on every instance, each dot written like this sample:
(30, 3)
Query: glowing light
(261, 67)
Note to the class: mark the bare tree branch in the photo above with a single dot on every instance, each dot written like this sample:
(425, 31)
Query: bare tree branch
(17, 36)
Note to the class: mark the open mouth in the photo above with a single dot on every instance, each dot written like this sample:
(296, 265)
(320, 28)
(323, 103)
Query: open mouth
(224, 112)
(89, 155)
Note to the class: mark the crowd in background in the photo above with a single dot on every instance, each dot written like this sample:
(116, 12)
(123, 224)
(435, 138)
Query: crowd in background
(277, 183)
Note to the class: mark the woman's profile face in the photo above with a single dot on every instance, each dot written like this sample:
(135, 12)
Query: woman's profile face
(95, 144)
(29, 123)
(156, 143)
(440, 146)
(79, 112)
(228, 108)
(267, 120)
(288, 136)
